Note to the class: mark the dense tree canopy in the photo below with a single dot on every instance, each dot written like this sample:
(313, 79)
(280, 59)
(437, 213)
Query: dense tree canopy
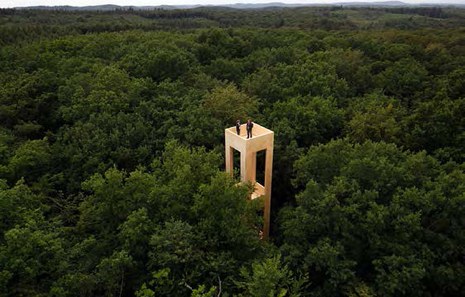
(111, 152)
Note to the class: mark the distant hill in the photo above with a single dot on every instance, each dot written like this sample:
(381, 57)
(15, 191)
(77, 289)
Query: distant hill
(382, 3)
(107, 7)
(112, 7)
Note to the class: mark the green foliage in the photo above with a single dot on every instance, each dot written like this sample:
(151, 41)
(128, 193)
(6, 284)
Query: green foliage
(111, 152)
(376, 119)
(32, 249)
(403, 79)
(307, 78)
(306, 120)
(183, 221)
(110, 272)
(201, 291)
(269, 278)
(17, 205)
(228, 104)
(438, 127)
(30, 160)
(368, 212)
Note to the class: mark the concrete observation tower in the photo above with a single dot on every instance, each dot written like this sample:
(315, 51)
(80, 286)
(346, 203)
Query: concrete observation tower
(262, 139)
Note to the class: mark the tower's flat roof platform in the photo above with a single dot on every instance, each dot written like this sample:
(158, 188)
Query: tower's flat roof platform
(257, 131)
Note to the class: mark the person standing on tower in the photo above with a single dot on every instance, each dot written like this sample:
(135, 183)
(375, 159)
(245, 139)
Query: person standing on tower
(249, 127)
(238, 127)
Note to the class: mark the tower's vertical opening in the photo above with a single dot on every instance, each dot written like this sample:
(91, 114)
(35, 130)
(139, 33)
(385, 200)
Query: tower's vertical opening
(260, 168)
(236, 163)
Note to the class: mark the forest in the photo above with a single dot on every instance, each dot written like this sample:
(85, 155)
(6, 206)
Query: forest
(112, 177)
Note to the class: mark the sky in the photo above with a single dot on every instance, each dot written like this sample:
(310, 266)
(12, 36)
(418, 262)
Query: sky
(21, 3)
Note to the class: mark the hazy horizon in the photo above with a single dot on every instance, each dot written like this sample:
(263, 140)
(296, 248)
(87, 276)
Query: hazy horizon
(25, 3)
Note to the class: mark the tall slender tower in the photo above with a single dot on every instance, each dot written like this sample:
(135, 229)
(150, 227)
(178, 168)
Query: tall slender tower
(262, 139)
